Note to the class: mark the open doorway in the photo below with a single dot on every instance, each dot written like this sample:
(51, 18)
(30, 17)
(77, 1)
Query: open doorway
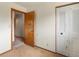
(22, 28)
(17, 28)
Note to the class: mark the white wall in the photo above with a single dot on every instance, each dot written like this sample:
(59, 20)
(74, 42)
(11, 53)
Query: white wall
(44, 23)
(44, 28)
(5, 30)
(5, 25)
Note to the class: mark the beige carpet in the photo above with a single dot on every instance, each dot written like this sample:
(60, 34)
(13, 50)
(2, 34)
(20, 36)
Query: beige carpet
(27, 51)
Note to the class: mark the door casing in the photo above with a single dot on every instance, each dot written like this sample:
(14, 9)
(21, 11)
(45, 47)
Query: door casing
(12, 9)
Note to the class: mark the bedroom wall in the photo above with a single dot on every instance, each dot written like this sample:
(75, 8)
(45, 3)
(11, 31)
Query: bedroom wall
(44, 22)
(5, 25)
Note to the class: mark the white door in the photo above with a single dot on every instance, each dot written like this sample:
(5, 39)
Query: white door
(67, 42)
(63, 30)
(74, 41)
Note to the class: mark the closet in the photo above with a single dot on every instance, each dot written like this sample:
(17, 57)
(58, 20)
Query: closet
(67, 30)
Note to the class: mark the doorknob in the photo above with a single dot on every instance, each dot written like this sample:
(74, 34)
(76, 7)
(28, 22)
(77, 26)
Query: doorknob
(61, 33)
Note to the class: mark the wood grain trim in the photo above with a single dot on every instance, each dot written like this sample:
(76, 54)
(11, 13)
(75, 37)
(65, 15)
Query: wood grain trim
(51, 51)
(17, 10)
(67, 4)
(55, 30)
(11, 31)
(5, 52)
(34, 27)
(12, 9)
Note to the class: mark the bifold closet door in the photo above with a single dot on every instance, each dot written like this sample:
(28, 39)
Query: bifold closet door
(63, 30)
(60, 42)
(74, 41)
(67, 40)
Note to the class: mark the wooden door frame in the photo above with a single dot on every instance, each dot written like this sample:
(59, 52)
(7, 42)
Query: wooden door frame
(15, 10)
(56, 22)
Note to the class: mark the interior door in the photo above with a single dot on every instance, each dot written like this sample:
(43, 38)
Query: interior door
(60, 31)
(29, 28)
(74, 41)
(68, 30)
(63, 24)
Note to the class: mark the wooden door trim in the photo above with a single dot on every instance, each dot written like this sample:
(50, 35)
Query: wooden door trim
(18, 10)
(12, 9)
(67, 4)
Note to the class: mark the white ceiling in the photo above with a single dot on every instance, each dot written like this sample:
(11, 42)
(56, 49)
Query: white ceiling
(25, 4)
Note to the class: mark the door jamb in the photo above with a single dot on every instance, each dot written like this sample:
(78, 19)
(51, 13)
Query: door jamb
(12, 9)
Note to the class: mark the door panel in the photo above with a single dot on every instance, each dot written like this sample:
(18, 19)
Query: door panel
(74, 42)
(63, 30)
(68, 23)
(60, 31)
(29, 28)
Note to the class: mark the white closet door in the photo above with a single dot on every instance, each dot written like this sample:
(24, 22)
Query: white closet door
(68, 24)
(74, 41)
(63, 26)
(60, 31)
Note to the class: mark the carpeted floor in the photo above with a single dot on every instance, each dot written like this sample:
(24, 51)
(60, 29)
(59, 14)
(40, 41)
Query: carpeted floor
(27, 51)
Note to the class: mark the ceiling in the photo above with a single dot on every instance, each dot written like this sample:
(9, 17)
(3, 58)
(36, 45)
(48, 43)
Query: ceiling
(26, 4)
